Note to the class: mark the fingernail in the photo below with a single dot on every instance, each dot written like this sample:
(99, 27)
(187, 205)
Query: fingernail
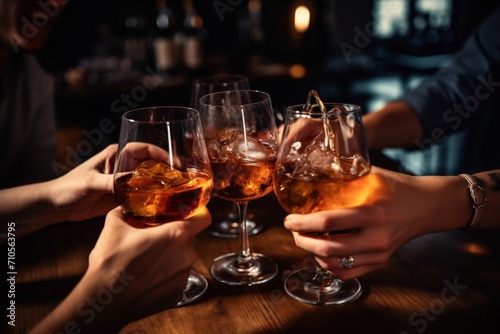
(287, 223)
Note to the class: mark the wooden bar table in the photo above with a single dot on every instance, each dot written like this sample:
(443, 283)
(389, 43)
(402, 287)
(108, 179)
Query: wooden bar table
(439, 283)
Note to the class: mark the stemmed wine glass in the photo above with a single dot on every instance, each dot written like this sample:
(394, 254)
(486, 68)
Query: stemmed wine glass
(162, 172)
(227, 225)
(216, 83)
(322, 164)
(241, 138)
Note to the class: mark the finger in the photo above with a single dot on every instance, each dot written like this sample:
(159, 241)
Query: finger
(362, 264)
(104, 159)
(115, 215)
(319, 245)
(114, 224)
(333, 264)
(348, 274)
(142, 151)
(377, 240)
(322, 221)
(102, 182)
(187, 228)
(110, 154)
(200, 221)
(303, 130)
(106, 203)
(330, 220)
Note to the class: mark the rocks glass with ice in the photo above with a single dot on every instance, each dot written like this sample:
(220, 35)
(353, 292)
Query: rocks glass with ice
(162, 172)
(322, 164)
(241, 138)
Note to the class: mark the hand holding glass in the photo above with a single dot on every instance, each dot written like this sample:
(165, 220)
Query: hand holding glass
(162, 172)
(322, 164)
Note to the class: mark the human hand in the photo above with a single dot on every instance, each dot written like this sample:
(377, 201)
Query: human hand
(138, 272)
(307, 129)
(158, 258)
(87, 190)
(399, 208)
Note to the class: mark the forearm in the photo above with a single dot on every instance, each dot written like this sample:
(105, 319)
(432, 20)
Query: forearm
(450, 204)
(29, 207)
(90, 308)
(395, 125)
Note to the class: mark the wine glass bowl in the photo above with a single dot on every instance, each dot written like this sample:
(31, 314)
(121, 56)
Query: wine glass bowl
(216, 83)
(225, 219)
(322, 164)
(241, 139)
(162, 172)
(154, 194)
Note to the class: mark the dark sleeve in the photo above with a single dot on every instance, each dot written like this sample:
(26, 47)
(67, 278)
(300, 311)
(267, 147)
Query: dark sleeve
(27, 124)
(461, 90)
(40, 148)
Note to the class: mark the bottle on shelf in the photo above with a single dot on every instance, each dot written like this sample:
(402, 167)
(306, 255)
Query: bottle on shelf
(194, 35)
(135, 44)
(167, 42)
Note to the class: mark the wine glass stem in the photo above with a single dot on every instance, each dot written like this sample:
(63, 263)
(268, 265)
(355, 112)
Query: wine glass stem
(244, 255)
(323, 278)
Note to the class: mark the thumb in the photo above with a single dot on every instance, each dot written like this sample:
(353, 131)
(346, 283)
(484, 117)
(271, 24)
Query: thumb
(201, 220)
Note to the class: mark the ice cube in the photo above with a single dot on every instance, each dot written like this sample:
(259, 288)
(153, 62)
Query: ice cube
(232, 144)
(318, 162)
(213, 149)
(356, 165)
(224, 145)
(229, 136)
(154, 174)
(318, 158)
(253, 150)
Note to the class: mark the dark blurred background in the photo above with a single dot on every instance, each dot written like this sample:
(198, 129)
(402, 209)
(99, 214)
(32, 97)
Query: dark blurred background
(106, 57)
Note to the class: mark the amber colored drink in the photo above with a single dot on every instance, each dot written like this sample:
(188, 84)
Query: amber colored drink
(153, 194)
(302, 195)
(239, 181)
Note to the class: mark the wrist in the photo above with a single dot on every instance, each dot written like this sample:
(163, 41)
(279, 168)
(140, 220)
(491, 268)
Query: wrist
(56, 195)
(458, 197)
(449, 206)
(48, 194)
(29, 206)
(478, 201)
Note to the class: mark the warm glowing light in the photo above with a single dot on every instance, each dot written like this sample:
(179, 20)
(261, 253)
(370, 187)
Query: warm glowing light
(297, 71)
(254, 6)
(475, 248)
(302, 18)
(195, 21)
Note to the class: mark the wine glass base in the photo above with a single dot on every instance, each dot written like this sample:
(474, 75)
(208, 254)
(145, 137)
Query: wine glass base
(196, 286)
(230, 228)
(260, 269)
(339, 292)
